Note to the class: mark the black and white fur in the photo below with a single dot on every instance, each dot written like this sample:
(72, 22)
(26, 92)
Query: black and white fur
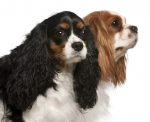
(46, 78)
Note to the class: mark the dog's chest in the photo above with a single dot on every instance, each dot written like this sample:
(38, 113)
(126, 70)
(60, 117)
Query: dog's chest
(57, 105)
(99, 112)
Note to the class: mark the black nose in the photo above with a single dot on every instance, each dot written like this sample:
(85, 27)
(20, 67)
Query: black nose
(77, 46)
(133, 29)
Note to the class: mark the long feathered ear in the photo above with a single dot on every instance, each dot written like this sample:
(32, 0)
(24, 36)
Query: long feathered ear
(104, 44)
(120, 76)
(5, 70)
(110, 69)
(32, 72)
(87, 76)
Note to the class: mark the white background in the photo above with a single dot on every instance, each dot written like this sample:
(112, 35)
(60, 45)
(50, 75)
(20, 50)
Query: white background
(130, 102)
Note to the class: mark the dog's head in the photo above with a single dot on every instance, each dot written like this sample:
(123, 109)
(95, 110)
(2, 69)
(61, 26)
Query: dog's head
(113, 38)
(55, 43)
(67, 36)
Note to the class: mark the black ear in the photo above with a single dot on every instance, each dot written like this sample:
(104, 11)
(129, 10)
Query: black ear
(5, 70)
(32, 72)
(87, 76)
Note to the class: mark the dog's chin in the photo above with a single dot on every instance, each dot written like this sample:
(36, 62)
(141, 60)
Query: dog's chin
(75, 59)
(121, 51)
(132, 45)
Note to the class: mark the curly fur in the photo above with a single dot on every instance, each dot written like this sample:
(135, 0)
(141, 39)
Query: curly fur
(84, 84)
(29, 70)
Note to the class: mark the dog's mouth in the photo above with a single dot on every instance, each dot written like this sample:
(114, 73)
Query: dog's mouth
(75, 58)
(135, 41)
(119, 48)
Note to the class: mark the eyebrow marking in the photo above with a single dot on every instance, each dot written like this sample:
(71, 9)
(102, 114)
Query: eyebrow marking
(80, 25)
(64, 25)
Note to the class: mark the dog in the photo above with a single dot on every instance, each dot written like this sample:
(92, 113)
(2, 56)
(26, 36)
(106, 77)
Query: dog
(113, 38)
(52, 74)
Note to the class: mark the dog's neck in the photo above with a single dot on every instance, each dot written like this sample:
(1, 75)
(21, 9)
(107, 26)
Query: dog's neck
(69, 68)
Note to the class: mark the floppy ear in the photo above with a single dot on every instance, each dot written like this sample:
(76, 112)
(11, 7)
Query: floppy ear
(104, 44)
(120, 75)
(32, 71)
(110, 69)
(87, 76)
(5, 70)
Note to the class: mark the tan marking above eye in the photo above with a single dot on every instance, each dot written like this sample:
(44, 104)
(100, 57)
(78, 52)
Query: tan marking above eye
(80, 25)
(64, 25)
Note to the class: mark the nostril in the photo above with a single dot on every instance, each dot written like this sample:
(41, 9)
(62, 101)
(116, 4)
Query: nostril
(77, 46)
(133, 29)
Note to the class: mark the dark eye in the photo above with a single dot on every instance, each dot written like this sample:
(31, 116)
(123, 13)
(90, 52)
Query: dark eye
(116, 23)
(83, 32)
(59, 34)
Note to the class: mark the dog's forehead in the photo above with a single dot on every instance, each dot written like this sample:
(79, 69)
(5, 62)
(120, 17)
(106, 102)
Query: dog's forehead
(68, 22)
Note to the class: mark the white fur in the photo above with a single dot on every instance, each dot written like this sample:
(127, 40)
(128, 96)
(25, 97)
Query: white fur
(57, 105)
(60, 106)
(71, 54)
(122, 39)
(1, 110)
(125, 39)
(99, 112)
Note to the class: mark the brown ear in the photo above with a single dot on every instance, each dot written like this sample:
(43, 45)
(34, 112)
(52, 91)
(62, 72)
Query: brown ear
(105, 59)
(110, 69)
(104, 44)
(120, 68)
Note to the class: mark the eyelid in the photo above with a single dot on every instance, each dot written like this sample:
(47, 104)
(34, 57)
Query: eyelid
(83, 30)
(59, 33)
(116, 23)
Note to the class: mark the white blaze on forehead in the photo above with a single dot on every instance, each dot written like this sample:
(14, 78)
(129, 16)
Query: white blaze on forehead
(70, 53)
(74, 38)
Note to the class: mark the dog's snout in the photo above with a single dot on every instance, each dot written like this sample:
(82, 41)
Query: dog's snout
(77, 46)
(134, 29)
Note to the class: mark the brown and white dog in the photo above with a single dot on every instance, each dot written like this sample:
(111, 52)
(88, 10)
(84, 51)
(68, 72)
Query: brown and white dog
(113, 38)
